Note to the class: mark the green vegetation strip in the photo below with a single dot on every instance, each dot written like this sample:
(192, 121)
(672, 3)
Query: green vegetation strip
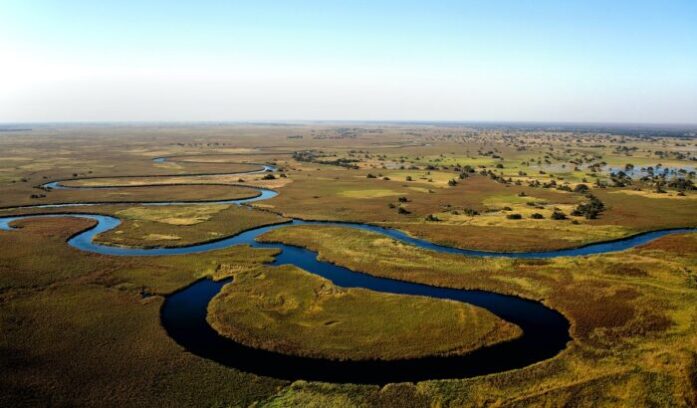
(293, 312)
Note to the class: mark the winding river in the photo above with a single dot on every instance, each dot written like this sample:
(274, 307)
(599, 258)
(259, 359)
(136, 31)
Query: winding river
(183, 314)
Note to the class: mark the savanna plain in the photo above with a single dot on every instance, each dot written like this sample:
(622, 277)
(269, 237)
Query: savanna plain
(84, 328)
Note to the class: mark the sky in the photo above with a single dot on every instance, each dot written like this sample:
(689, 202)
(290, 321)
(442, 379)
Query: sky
(539, 61)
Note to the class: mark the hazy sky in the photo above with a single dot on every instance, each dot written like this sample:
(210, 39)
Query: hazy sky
(597, 61)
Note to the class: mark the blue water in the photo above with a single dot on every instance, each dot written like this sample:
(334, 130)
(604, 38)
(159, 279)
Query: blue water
(546, 332)
(85, 240)
(642, 171)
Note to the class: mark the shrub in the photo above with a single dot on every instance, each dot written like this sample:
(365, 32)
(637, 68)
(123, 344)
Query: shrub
(537, 216)
(514, 216)
(558, 215)
(581, 188)
(590, 209)
(470, 212)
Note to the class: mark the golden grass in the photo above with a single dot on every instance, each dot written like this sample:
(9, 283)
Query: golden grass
(173, 215)
(370, 193)
(76, 332)
(290, 311)
(182, 225)
(632, 316)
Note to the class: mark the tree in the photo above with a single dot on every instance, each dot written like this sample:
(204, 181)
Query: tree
(590, 209)
(581, 188)
(681, 184)
(470, 212)
(558, 215)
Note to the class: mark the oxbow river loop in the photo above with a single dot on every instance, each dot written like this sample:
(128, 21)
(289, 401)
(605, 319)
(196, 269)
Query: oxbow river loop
(183, 315)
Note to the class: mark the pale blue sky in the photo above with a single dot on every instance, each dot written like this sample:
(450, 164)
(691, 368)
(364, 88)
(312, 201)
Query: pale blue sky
(587, 61)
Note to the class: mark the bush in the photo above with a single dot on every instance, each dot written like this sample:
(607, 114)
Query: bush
(431, 217)
(514, 216)
(591, 209)
(537, 216)
(581, 188)
(403, 210)
(682, 184)
(370, 176)
(268, 176)
(452, 182)
(558, 215)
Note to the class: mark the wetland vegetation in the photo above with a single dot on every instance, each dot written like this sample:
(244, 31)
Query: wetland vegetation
(74, 321)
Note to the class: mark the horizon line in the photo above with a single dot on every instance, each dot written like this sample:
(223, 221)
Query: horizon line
(356, 121)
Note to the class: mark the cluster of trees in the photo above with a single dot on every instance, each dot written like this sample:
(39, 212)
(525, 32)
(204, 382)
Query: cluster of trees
(620, 179)
(590, 209)
(400, 209)
(313, 156)
(682, 184)
(470, 212)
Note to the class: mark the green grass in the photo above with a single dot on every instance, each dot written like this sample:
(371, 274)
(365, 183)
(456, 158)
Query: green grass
(183, 225)
(293, 312)
(632, 316)
(75, 330)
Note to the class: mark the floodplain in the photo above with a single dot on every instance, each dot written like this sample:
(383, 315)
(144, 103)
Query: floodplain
(82, 328)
